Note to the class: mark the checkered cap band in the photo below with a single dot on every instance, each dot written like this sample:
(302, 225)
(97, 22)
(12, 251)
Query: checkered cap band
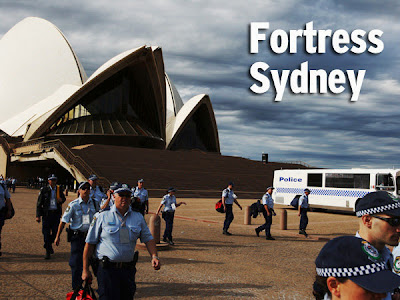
(377, 210)
(349, 272)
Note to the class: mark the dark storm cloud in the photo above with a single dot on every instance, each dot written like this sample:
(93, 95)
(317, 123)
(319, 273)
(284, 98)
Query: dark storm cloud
(206, 50)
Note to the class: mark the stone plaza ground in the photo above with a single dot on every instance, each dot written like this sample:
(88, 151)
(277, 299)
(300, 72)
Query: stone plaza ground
(202, 264)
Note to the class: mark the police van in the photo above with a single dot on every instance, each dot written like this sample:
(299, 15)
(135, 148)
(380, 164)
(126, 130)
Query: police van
(334, 188)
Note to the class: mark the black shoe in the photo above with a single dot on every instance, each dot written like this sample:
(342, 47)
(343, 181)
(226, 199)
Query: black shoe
(171, 242)
(257, 232)
(51, 250)
(303, 232)
(165, 240)
(226, 232)
(1, 253)
(270, 238)
(47, 256)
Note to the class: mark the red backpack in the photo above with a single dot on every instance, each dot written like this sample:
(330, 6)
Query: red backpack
(219, 207)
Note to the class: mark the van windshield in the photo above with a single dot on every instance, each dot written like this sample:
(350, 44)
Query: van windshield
(385, 182)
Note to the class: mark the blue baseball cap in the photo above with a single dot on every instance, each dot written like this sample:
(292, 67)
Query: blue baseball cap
(231, 183)
(115, 185)
(377, 203)
(307, 190)
(356, 259)
(140, 180)
(171, 189)
(93, 177)
(83, 183)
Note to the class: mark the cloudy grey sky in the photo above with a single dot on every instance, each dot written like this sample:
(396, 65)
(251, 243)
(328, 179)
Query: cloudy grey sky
(206, 50)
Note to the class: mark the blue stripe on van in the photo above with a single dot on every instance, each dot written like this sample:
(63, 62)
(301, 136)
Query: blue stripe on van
(324, 192)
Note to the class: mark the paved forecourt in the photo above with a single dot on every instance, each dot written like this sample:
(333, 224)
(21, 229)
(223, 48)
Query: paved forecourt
(203, 262)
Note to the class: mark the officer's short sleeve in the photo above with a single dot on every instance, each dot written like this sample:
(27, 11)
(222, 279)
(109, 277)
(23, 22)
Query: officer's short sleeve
(264, 200)
(301, 199)
(69, 212)
(224, 194)
(145, 235)
(163, 200)
(94, 231)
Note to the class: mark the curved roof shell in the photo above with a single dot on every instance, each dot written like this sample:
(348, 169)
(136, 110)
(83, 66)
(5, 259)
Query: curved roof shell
(35, 61)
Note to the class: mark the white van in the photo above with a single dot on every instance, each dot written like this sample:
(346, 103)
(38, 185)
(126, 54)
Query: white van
(334, 188)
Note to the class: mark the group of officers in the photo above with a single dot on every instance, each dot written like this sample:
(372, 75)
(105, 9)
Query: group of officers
(104, 229)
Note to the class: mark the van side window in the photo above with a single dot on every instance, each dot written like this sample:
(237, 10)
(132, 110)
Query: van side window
(384, 182)
(314, 180)
(350, 181)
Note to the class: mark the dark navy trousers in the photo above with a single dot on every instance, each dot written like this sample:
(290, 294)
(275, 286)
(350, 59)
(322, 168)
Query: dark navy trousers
(303, 218)
(76, 260)
(228, 216)
(267, 225)
(169, 224)
(49, 228)
(2, 218)
(116, 284)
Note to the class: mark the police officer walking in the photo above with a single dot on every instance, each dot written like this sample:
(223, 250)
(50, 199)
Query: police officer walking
(5, 207)
(48, 208)
(141, 193)
(168, 214)
(79, 214)
(108, 202)
(228, 198)
(268, 204)
(96, 191)
(303, 208)
(112, 236)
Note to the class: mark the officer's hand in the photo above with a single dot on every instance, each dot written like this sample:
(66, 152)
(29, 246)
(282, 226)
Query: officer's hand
(240, 207)
(298, 214)
(155, 263)
(57, 240)
(268, 214)
(38, 219)
(87, 276)
(147, 212)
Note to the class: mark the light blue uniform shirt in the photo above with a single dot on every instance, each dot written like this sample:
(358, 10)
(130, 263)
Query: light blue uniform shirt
(53, 200)
(303, 201)
(141, 193)
(169, 202)
(229, 196)
(105, 231)
(75, 214)
(267, 200)
(4, 193)
(96, 194)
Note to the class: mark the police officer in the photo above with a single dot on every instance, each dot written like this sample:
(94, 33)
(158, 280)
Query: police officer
(108, 202)
(112, 236)
(96, 191)
(48, 208)
(268, 204)
(141, 193)
(79, 214)
(169, 200)
(379, 222)
(303, 208)
(228, 198)
(5, 207)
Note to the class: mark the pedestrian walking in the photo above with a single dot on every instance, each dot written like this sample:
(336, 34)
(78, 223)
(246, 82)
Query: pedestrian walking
(141, 193)
(268, 205)
(228, 198)
(5, 207)
(169, 201)
(96, 191)
(303, 208)
(112, 237)
(48, 210)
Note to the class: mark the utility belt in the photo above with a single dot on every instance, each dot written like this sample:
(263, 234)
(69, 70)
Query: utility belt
(107, 264)
(165, 214)
(75, 234)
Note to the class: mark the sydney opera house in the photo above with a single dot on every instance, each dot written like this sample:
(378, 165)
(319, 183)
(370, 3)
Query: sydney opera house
(128, 111)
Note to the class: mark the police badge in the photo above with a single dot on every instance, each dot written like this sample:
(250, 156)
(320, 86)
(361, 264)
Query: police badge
(370, 250)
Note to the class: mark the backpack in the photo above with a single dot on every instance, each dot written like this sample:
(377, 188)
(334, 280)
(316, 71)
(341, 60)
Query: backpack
(254, 210)
(219, 207)
(295, 202)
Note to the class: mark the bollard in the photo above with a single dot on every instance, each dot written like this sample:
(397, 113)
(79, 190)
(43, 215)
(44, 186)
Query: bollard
(247, 217)
(283, 220)
(155, 227)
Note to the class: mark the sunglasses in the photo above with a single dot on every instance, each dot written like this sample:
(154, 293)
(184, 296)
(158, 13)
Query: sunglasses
(392, 221)
(85, 188)
(125, 195)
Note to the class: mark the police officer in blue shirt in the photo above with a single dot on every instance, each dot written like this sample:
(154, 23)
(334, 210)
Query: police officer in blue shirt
(141, 193)
(108, 202)
(268, 204)
(303, 208)
(169, 201)
(79, 214)
(96, 191)
(112, 237)
(228, 198)
(5, 207)
(49, 209)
